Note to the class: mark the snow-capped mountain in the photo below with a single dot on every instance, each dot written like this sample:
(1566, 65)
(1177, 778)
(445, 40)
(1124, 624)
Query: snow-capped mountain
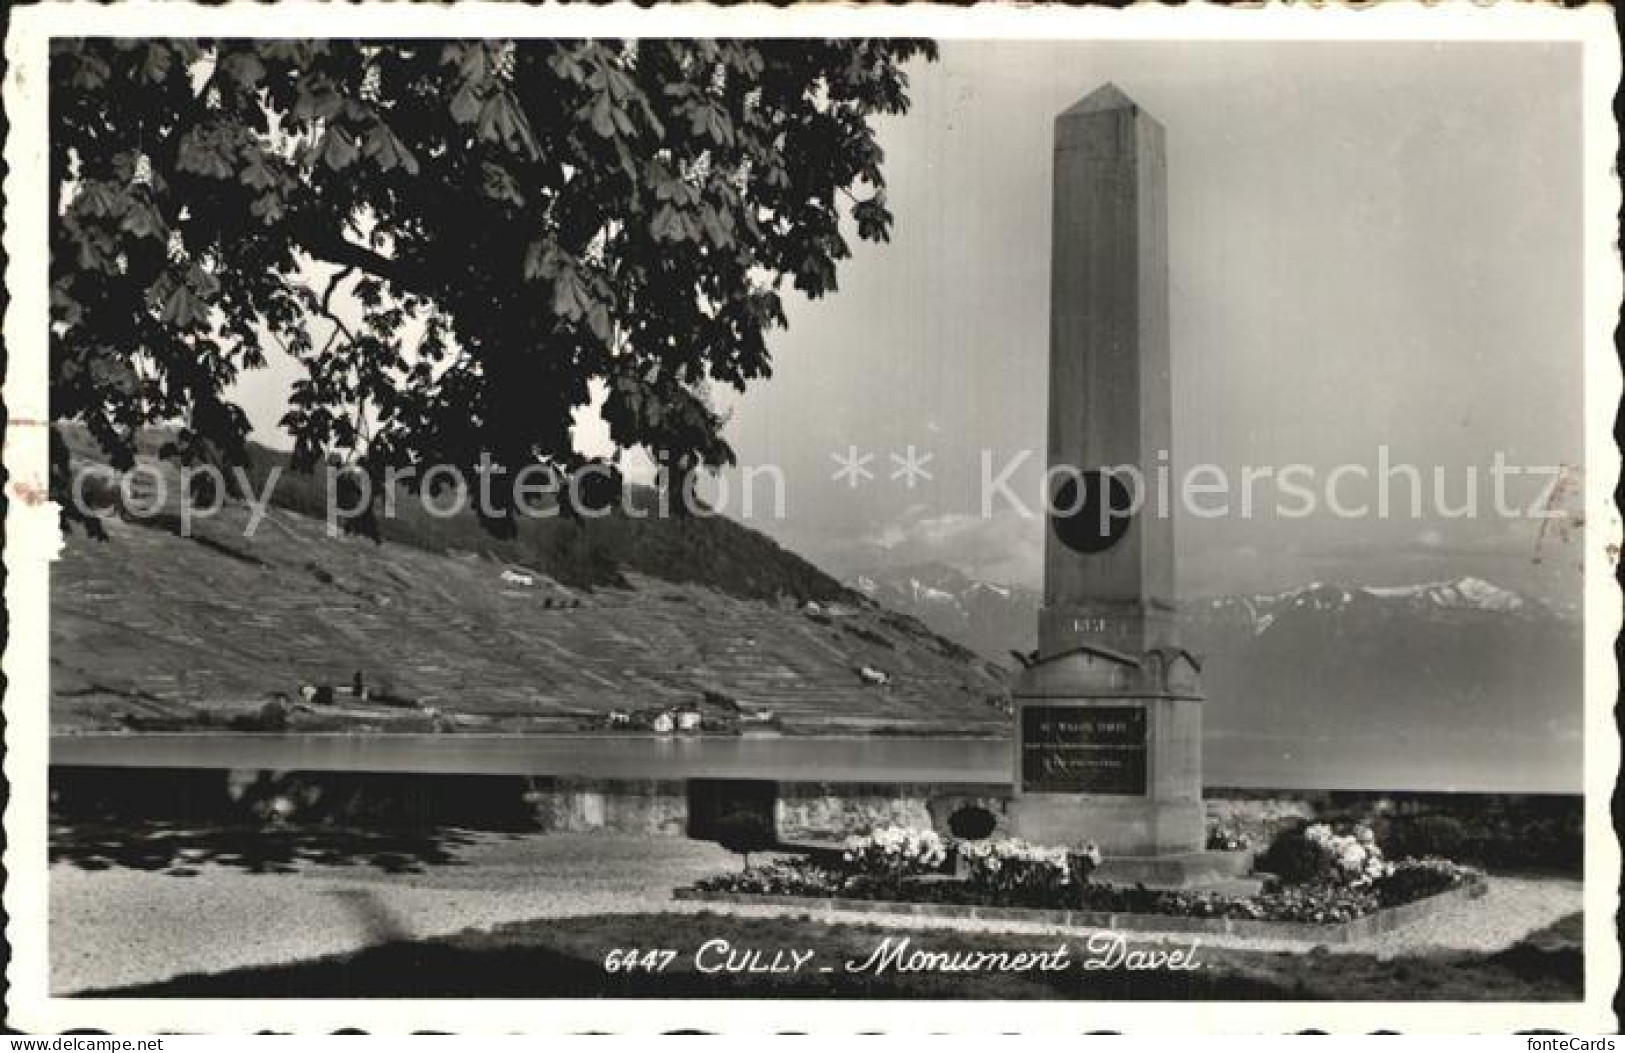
(988, 618)
(997, 619)
(1460, 682)
(1462, 594)
(1434, 598)
(1462, 674)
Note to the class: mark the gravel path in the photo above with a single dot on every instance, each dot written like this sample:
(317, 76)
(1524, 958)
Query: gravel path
(119, 926)
(116, 926)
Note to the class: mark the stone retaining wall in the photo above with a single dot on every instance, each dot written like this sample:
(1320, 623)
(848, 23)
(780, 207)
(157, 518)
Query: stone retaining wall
(800, 811)
(820, 811)
(583, 806)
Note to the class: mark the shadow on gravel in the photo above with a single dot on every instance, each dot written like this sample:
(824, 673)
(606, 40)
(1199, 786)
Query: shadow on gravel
(1557, 951)
(177, 848)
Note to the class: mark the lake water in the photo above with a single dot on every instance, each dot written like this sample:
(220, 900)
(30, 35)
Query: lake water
(822, 759)
(1399, 765)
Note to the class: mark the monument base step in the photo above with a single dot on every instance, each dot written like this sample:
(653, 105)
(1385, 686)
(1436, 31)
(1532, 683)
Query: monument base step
(1121, 827)
(1239, 887)
(1227, 872)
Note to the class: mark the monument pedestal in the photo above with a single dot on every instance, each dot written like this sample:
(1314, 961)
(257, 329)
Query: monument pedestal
(1109, 752)
(1119, 827)
(1227, 872)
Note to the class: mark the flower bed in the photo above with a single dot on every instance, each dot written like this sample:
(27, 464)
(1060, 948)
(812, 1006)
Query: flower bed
(1222, 838)
(1409, 881)
(1339, 877)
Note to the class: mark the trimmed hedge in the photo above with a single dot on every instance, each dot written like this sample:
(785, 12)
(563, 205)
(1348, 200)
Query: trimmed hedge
(1495, 839)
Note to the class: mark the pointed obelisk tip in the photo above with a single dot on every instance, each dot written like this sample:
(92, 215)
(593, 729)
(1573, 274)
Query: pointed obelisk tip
(1106, 97)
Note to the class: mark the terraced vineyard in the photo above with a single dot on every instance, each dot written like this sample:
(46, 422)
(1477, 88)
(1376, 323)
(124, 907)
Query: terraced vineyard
(151, 630)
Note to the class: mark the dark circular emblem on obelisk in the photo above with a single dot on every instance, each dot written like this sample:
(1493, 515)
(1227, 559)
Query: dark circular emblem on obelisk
(1097, 522)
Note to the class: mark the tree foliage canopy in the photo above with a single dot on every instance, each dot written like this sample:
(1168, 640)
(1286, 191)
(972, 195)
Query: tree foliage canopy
(509, 221)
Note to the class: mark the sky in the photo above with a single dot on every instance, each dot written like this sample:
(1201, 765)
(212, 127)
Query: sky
(1369, 245)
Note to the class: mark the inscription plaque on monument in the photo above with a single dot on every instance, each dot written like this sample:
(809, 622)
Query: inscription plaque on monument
(1073, 749)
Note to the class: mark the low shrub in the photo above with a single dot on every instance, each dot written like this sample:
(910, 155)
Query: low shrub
(1412, 879)
(896, 852)
(1227, 839)
(1011, 865)
(1293, 859)
(745, 832)
(972, 823)
(1317, 854)
(1424, 836)
(1501, 838)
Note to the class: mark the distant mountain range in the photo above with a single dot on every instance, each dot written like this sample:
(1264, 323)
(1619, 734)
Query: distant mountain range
(990, 619)
(1461, 683)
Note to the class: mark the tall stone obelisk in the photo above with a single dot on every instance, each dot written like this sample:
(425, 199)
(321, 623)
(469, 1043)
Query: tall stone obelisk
(1109, 728)
(1110, 401)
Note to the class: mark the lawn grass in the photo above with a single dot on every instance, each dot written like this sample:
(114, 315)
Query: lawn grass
(564, 958)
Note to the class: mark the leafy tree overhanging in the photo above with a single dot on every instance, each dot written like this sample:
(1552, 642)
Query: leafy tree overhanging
(514, 220)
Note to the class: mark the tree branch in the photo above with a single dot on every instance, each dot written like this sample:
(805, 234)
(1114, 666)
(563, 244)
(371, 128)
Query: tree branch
(328, 244)
(327, 298)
